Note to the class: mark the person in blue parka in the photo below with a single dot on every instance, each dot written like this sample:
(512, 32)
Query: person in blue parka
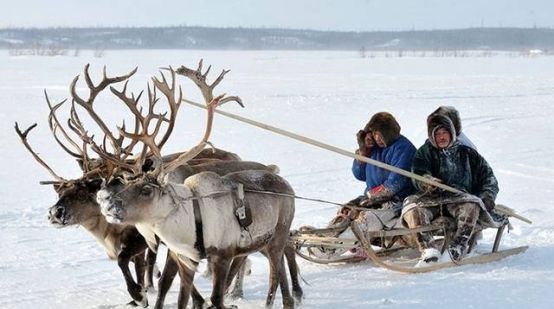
(384, 191)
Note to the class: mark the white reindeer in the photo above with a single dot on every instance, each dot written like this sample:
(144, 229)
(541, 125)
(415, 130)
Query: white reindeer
(167, 210)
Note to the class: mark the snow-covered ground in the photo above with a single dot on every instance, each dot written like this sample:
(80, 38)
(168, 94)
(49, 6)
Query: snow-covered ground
(507, 109)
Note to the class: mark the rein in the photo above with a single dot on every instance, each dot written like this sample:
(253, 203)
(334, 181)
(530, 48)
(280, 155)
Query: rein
(222, 193)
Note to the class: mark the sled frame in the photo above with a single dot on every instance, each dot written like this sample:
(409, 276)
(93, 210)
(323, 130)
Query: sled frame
(312, 238)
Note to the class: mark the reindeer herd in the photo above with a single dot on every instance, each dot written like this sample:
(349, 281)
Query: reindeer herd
(202, 203)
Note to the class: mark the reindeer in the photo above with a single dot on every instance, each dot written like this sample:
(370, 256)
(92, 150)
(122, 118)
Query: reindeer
(167, 209)
(77, 203)
(271, 215)
(204, 161)
(77, 206)
(77, 198)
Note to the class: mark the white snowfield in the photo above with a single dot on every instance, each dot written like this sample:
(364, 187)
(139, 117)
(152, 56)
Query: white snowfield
(507, 108)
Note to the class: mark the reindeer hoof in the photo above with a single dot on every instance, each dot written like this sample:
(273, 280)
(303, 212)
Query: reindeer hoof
(132, 304)
(298, 299)
(143, 301)
(298, 295)
(226, 307)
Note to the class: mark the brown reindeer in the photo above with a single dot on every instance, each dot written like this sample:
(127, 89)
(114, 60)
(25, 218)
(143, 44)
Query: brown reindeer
(77, 206)
(77, 198)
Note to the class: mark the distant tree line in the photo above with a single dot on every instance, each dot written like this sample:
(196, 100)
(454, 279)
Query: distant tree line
(511, 39)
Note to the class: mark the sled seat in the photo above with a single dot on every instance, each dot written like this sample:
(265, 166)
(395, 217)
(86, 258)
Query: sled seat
(321, 246)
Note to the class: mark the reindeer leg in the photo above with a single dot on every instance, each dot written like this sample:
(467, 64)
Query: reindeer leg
(237, 271)
(140, 267)
(187, 276)
(197, 299)
(134, 289)
(290, 255)
(149, 273)
(220, 267)
(288, 301)
(164, 283)
(168, 275)
(273, 276)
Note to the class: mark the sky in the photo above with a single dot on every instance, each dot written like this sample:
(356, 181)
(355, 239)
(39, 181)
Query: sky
(342, 15)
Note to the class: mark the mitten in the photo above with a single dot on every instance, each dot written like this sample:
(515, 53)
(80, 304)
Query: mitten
(428, 188)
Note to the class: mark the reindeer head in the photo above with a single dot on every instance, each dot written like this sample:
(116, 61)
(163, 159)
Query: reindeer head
(130, 200)
(77, 198)
(130, 195)
(76, 203)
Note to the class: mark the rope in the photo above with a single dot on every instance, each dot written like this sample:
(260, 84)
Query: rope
(343, 152)
(298, 197)
(331, 148)
(221, 193)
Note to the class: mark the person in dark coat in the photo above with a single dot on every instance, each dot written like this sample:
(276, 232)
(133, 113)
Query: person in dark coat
(444, 159)
(452, 113)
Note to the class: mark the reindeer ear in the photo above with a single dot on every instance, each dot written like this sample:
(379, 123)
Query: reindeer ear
(164, 180)
(81, 164)
(148, 165)
(94, 184)
(58, 187)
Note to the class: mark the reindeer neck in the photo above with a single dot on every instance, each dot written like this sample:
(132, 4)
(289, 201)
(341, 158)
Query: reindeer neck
(105, 234)
(177, 229)
(174, 199)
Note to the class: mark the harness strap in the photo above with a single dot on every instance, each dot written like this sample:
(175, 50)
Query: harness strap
(241, 207)
(199, 243)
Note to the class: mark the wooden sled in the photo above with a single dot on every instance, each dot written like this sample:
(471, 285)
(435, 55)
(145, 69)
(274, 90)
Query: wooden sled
(383, 249)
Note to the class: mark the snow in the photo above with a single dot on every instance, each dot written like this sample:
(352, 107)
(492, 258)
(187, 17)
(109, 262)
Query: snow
(506, 108)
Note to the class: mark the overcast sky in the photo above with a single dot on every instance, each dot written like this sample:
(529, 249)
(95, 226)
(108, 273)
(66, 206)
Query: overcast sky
(356, 15)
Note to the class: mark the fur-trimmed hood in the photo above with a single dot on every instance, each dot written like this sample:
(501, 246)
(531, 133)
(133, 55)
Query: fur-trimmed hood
(450, 112)
(436, 121)
(384, 123)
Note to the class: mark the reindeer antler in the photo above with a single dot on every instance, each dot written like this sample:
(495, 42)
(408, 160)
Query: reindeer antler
(54, 125)
(110, 160)
(149, 139)
(143, 132)
(174, 104)
(23, 137)
(195, 150)
(94, 90)
(199, 79)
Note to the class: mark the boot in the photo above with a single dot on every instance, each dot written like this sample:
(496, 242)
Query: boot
(458, 246)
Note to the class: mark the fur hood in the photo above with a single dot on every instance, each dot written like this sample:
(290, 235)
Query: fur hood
(386, 124)
(436, 121)
(450, 112)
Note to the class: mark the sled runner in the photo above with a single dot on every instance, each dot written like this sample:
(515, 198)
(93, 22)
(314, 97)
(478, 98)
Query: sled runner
(390, 248)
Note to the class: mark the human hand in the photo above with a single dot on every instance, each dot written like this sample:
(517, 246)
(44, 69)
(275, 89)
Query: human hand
(489, 203)
(360, 138)
(426, 187)
(377, 196)
(347, 212)
(365, 143)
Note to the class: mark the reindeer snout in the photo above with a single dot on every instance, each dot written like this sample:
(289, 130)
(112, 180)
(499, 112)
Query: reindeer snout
(113, 210)
(114, 205)
(56, 214)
